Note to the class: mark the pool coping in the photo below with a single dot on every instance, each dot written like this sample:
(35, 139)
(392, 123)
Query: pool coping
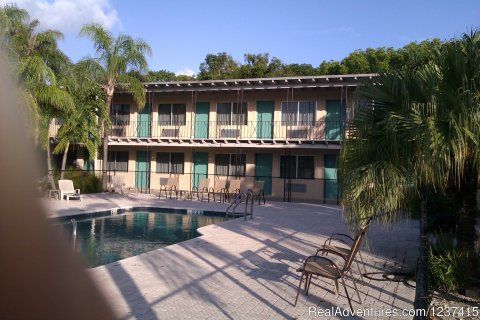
(122, 210)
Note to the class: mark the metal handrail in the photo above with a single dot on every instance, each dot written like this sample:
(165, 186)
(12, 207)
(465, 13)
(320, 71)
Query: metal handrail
(262, 130)
(248, 197)
(236, 201)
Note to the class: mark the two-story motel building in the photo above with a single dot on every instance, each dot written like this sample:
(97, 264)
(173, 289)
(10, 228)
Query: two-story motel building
(285, 131)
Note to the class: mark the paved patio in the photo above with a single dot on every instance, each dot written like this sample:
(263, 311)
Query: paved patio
(246, 269)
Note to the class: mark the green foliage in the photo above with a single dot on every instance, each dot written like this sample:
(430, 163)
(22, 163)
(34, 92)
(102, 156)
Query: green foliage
(415, 55)
(383, 59)
(218, 66)
(114, 58)
(419, 130)
(370, 60)
(260, 66)
(356, 62)
(160, 75)
(36, 61)
(452, 270)
(294, 69)
(438, 203)
(86, 181)
(184, 77)
(332, 67)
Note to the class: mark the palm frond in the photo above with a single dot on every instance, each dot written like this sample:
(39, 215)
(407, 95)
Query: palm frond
(102, 39)
(421, 129)
(135, 87)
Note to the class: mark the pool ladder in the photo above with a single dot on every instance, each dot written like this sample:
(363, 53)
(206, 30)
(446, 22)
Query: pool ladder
(74, 232)
(244, 197)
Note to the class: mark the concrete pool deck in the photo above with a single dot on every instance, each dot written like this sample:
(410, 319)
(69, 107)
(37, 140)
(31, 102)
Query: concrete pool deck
(246, 269)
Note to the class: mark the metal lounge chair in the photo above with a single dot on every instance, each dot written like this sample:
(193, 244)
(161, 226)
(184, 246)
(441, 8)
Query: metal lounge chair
(219, 188)
(117, 185)
(68, 191)
(233, 188)
(324, 267)
(257, 190)
(343, 245)
(202, 188)
(246, 186)
(170, 186)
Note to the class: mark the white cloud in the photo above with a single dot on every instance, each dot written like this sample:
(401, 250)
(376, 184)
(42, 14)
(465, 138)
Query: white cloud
(69, 16)
(185, 71)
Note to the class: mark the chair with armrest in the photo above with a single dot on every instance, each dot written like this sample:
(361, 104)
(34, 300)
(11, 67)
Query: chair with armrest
(67, 190)
(202, 188)
(170, 186)
(219, 188)
(257, 190)
(322, 266)
(233, 188)
(342, 244)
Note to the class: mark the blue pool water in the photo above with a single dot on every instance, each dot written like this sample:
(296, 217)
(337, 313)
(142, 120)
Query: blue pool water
(102, 238)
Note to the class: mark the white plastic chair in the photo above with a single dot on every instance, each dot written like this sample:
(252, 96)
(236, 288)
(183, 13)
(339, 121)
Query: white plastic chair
(67, 190)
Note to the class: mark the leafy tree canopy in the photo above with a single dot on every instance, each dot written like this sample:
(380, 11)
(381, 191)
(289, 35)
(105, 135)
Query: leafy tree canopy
(259, 65)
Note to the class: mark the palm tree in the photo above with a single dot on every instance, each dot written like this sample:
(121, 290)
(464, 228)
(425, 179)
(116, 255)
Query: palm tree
(115, 57)
(36, 57)
(421, 129)
(81, 125)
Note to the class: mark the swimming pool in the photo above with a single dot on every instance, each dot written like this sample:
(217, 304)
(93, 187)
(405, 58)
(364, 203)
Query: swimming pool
(103, 237)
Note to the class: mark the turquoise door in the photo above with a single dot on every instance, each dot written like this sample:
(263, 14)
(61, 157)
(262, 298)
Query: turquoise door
(264, 119)
(201, 120)
(330, 175)
(263, 170)
(143, 122)
(200, 167)
(88, 165)
(142, 169)
(333, 125)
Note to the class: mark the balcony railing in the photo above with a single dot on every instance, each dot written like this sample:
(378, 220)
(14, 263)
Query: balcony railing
(53, 129)
(252, 130)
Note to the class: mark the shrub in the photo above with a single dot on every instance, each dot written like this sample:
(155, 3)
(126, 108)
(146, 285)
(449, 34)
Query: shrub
(452, 270)
(86, 181)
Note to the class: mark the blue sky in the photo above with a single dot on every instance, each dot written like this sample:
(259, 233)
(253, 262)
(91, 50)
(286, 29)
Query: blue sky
(182, 32)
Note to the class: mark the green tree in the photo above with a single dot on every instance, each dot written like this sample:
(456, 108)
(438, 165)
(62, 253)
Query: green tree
(255, 66)
(357, 62)
(275, 67)
(184, 77)
(332, 67)
(298, 69)
(115, 57)
(35, 57)
(378, 59)
(160, 75)
(415, 55)
(420, 130)
(80, 125)
(218, 66)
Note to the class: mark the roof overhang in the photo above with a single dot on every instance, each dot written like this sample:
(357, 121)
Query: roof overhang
(304, 82)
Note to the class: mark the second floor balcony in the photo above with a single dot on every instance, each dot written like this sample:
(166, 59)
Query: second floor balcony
(313, 131)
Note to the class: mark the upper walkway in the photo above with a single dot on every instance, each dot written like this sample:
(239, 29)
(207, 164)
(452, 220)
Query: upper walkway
(249, 134)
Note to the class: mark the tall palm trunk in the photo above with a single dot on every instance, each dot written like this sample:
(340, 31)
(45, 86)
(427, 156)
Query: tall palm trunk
(467, 202)
(421, 291)
(51, 181)
(64, 160)
(105, 143)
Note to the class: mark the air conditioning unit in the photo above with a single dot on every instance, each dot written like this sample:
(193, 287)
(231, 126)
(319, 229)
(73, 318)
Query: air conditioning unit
(229, 133)
(170, 132)
(297, 133)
